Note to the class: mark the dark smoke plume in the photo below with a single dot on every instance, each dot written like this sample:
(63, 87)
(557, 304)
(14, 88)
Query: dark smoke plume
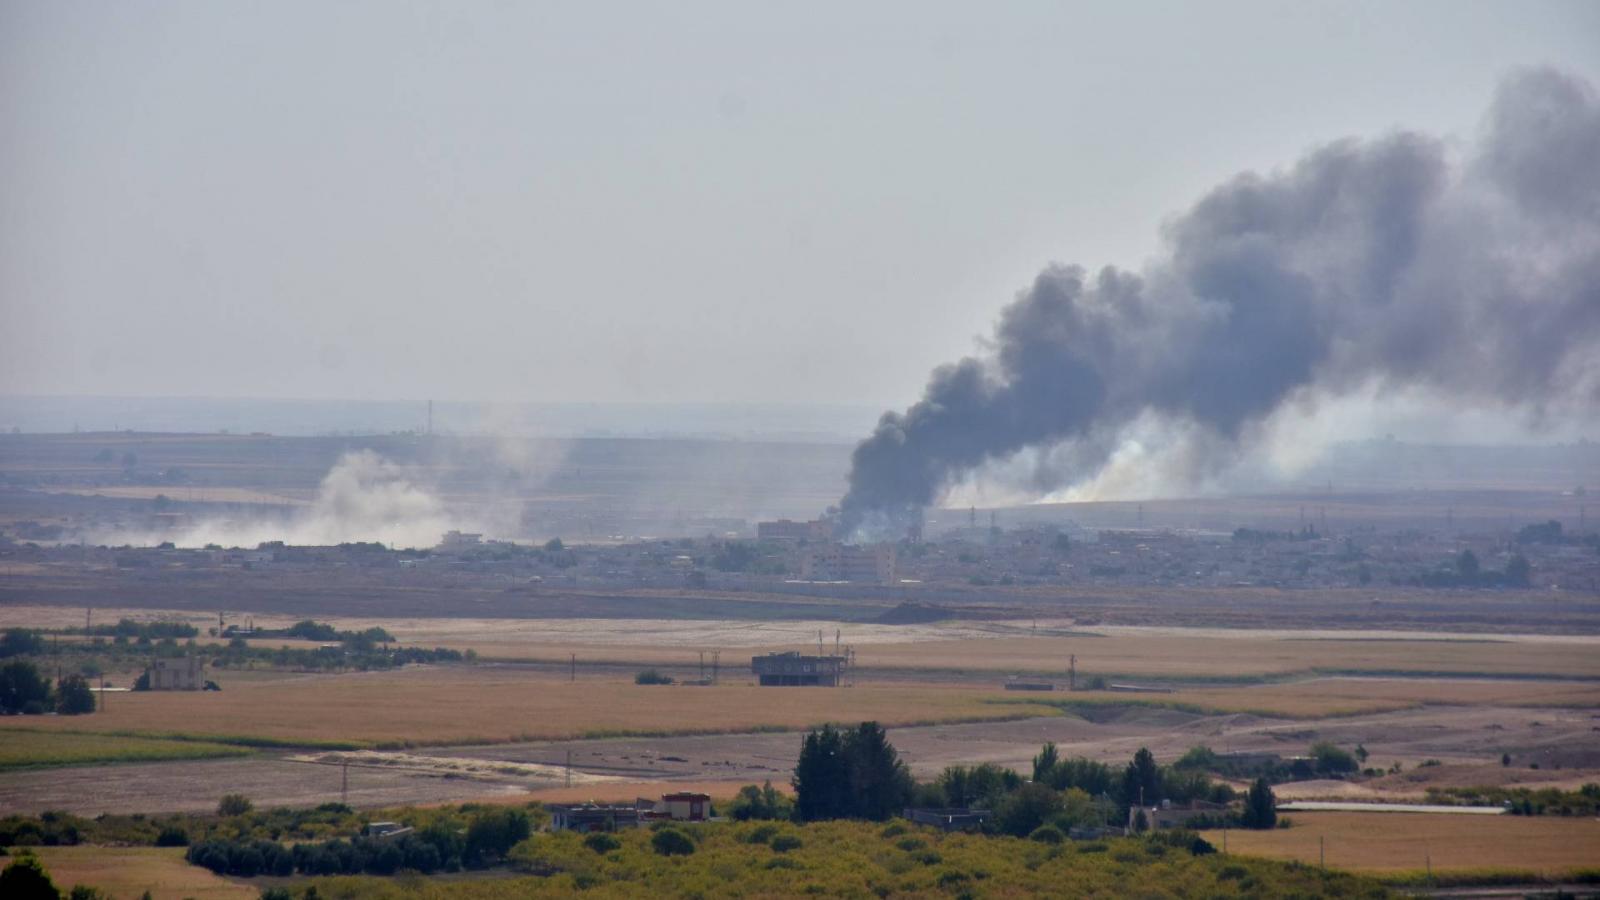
(1381, 263)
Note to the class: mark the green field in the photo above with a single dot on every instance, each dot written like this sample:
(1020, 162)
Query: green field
(22, 748)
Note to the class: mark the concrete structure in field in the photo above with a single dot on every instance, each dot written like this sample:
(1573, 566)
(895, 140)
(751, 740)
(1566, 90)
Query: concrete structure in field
(848, 562)
(789, 530)
(682, 806)
(957, 819)
(456, 540)
(185, 673)
(1169, 816)
(794, 670)
(587, 817)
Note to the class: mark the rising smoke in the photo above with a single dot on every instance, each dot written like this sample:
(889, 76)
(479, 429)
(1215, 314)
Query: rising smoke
(1385, 266)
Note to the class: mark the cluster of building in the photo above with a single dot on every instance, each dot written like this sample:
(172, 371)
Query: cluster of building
(683, 806)
(788, 554)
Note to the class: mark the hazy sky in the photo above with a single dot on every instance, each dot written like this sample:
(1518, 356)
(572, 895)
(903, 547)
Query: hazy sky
(645, 202)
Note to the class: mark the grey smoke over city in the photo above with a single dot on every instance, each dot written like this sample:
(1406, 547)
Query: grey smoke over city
(1405, 263)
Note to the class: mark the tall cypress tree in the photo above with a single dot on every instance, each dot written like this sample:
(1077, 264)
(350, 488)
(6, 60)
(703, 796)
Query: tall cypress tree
(821, 777)
(880, 784)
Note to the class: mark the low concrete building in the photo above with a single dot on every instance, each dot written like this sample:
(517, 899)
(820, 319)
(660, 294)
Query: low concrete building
(184, 673)
(953, 819)
(795, 670)
(587, 817)
(789, 530)
(385, 830)
(1169, 816)
(682, 806)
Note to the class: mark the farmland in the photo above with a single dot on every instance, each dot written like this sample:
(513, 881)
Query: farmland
(130, 871)
(1404, 842)
(21, 747)
(488, 704)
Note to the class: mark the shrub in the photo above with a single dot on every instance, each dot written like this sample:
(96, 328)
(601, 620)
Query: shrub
(783, 843)
(172, 836)
(26, 879)
(1047, 834)
(234, 805)
(651, 676)
(672, 842)
(761, 834)
(600, 842)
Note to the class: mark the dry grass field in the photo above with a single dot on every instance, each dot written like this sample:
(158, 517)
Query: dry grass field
(1170, 653)
(130, 871)
(1392, 842)
(486, 704)
(1322, 697)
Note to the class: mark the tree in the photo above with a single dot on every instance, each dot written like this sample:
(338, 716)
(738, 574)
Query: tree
(492, 835)
(1260, 806)
(22, 690)
(821, 776)
(961, 786)
(759, 803)
(1141, 781)
(554, 545)
(234, 805)
(26, 879)
(1045, 762)
(1332, 759)
(1141, 822)
(1518, 571)
(1026, 808)
(1063, 544)
(854, 774)
(880, 784)
(73, 696)
(21, 642)
(1467, 564)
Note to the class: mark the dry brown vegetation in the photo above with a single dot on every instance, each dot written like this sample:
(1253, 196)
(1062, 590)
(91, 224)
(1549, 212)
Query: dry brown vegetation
(487, 705)
(1389, 842)
(130, 871)
(1240, 654)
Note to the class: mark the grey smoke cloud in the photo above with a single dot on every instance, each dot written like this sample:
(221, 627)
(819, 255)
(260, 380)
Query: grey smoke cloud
(1391, 263)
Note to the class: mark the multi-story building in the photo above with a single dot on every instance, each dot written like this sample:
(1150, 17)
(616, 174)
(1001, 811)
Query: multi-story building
(850, 562)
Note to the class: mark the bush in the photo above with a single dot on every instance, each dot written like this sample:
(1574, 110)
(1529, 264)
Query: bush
(602, 843)
(1047, 834)
(651, 676)
(672, 842)
(783, 843)
(73, 696)
(234, 805)
(26, 879)
(172, 836)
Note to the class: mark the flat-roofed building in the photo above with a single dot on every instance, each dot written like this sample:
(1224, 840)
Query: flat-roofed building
(184, 673)
(796, 670)
(790, 530)
(866, 563)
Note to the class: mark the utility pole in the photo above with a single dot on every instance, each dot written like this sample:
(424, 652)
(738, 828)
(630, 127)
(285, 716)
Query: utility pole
(344, 782)
(716, 665)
